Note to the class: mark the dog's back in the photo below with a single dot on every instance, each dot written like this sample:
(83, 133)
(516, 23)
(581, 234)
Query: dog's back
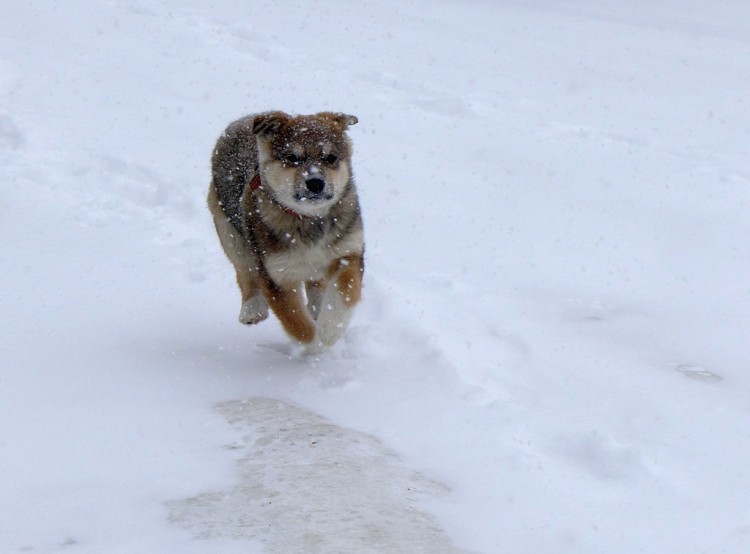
(233, 164)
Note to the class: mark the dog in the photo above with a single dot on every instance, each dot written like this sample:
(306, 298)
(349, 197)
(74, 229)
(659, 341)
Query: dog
(286, 210)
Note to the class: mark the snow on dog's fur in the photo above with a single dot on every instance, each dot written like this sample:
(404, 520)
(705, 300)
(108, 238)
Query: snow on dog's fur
(286, 210)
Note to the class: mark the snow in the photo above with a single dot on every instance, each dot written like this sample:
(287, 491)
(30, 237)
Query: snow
(552, 351)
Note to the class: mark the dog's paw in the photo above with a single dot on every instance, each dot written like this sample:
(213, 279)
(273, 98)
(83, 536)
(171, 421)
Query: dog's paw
(334, 318)
(313, 348)
(254, 310)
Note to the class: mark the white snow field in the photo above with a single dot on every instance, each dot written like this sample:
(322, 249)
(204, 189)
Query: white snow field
(553, 351)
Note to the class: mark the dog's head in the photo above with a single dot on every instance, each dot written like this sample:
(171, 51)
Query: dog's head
(305, 160)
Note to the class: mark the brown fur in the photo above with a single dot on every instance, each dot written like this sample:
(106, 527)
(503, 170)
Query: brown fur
(299, 233)
(348, 278)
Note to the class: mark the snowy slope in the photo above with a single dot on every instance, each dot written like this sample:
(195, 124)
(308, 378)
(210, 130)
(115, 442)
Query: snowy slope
(552, 352)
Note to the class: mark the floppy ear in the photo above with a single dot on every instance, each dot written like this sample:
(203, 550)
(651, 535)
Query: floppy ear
(342, 120)
(269, 122)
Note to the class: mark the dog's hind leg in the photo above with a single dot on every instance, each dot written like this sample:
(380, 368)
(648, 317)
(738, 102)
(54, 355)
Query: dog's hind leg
(288, 305)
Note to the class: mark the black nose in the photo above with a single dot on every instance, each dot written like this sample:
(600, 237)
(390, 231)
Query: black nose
(315, 185)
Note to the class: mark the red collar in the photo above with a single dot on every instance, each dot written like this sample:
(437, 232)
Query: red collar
(255, 185)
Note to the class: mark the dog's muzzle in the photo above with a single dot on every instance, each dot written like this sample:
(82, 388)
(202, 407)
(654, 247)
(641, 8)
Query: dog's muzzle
(315, 190)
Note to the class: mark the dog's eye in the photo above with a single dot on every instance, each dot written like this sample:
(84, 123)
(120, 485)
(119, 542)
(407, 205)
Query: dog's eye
(291, 159)
(331, 159)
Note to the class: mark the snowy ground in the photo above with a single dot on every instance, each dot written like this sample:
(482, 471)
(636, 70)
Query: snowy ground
(553, 351)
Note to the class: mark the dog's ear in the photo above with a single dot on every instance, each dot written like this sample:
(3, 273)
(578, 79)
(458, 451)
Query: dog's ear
(269, 122)
(345, 120)
(341, 120)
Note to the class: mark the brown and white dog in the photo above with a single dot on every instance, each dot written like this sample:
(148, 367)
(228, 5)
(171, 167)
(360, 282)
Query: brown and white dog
(286, 210)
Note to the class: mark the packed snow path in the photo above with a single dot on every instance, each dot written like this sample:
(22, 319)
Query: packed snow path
(308, 486)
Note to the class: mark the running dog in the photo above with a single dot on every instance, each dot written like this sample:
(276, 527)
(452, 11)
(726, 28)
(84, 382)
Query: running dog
(287, 214)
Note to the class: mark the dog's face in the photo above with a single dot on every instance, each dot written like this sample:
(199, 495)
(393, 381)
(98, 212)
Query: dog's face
(305, 160)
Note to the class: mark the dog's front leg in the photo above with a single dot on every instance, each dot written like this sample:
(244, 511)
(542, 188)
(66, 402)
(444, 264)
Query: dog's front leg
(288, 305)
(314, 290)
(343, 291)
(254, 306)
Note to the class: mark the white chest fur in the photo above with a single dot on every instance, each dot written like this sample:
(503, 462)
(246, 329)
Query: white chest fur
(302, 262)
